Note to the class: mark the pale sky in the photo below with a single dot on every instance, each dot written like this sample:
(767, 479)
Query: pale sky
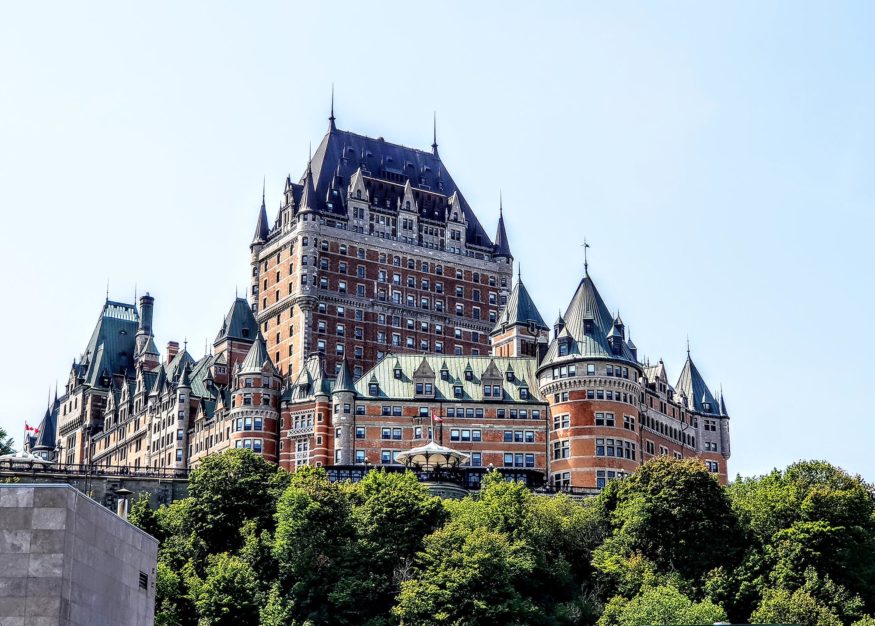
(718, 158)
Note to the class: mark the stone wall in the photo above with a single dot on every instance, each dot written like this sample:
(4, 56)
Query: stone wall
(67, 561)
(103, 488)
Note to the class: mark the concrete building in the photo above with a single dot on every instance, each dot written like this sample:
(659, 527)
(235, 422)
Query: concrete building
(68, 561)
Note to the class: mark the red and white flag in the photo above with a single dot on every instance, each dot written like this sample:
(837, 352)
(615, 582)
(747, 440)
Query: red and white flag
(31, 429)
(436, 418)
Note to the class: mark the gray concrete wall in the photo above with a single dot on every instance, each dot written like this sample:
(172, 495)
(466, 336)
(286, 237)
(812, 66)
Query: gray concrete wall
(67, 561)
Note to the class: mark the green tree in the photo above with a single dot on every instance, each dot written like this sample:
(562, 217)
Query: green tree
(229, 593)
(466, 576)
(312, 543)
(173, 607)
(659, 605)
(811, 517)
(227, 490)
(666, 512)
(780, 606)
(276, 610)
(391, 515)
(6, 443)
(143, 516)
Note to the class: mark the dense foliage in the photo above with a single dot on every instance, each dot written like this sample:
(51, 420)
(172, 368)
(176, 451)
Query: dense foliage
(668, 545)
(5, 443)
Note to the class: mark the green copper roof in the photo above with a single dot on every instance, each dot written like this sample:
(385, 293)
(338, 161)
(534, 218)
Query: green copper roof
(112, 346)
(239, 323)
(520, 309)
(257, 358)
(404, 388)
(586, 305)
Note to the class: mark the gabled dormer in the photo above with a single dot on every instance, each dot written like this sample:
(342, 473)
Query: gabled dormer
(424, 380)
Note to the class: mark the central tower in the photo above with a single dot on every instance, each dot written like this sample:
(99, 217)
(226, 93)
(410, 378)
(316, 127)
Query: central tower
(374, 250)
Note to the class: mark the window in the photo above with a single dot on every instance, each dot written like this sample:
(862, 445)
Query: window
(628, 422)
(561, 449)
(604, 419)
(386, 433)
(561, 421)
(360, 457)
(359, 432)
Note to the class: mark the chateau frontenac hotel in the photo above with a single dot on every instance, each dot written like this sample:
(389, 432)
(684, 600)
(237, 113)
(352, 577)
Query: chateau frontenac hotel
(381, 317)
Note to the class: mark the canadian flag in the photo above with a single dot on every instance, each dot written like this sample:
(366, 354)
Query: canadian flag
(31, 429)
(436, 418)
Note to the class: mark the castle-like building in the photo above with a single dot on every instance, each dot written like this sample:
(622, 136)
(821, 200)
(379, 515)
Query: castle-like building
(380, 317)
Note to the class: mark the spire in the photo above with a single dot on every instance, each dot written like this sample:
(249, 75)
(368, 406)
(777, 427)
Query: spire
(501, 246)
(344, 380)
(434, 143)
(331, 126)
(185, 381)
(723, 410)
(261, 230)
(308, 196)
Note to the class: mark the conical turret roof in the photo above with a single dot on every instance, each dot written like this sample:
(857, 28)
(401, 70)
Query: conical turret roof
(587, 306)
(693, 386)
(520, 309)
(257, 358)
(502, 246)
(344, 380)
(261, 229)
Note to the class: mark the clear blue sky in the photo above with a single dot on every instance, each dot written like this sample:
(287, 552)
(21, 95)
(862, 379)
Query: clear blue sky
(718, 157)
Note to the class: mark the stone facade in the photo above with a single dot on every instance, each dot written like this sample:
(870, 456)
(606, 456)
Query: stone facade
(68, 561)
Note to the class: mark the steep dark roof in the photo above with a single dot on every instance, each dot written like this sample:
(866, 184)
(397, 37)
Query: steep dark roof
(502, 246)
(520, 309)
(239, 323)
(693, 386)
(587, 304)
(386, 167)
(45, 439)
(112, 346)
(261, 229)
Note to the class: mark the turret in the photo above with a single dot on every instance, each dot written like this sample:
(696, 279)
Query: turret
(343, 397)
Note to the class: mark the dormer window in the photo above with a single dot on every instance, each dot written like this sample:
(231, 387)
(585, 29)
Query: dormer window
(373, 389)
(245, 332)
(588, 327)
(445, 374)
(706, 406)
(457, 391)
(469, 375)
(524, 393)
(397, 373)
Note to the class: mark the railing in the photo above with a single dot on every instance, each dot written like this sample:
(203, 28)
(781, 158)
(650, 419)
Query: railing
(300, 430)
(72, 469)
(467, 477)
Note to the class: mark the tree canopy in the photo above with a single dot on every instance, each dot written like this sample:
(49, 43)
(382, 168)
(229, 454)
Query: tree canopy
(667, 545)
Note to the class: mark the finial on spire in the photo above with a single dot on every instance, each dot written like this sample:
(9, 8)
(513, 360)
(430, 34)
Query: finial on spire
(688, 346)
(585, 259)
(107, 289)
(500, 203)
(434, 144)
(263, 188)
(519, 272)
(331, 125)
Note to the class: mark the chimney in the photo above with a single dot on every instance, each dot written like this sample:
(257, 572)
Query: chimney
(172, 350)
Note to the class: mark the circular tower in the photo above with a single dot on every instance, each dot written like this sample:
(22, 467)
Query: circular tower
(590, 377)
